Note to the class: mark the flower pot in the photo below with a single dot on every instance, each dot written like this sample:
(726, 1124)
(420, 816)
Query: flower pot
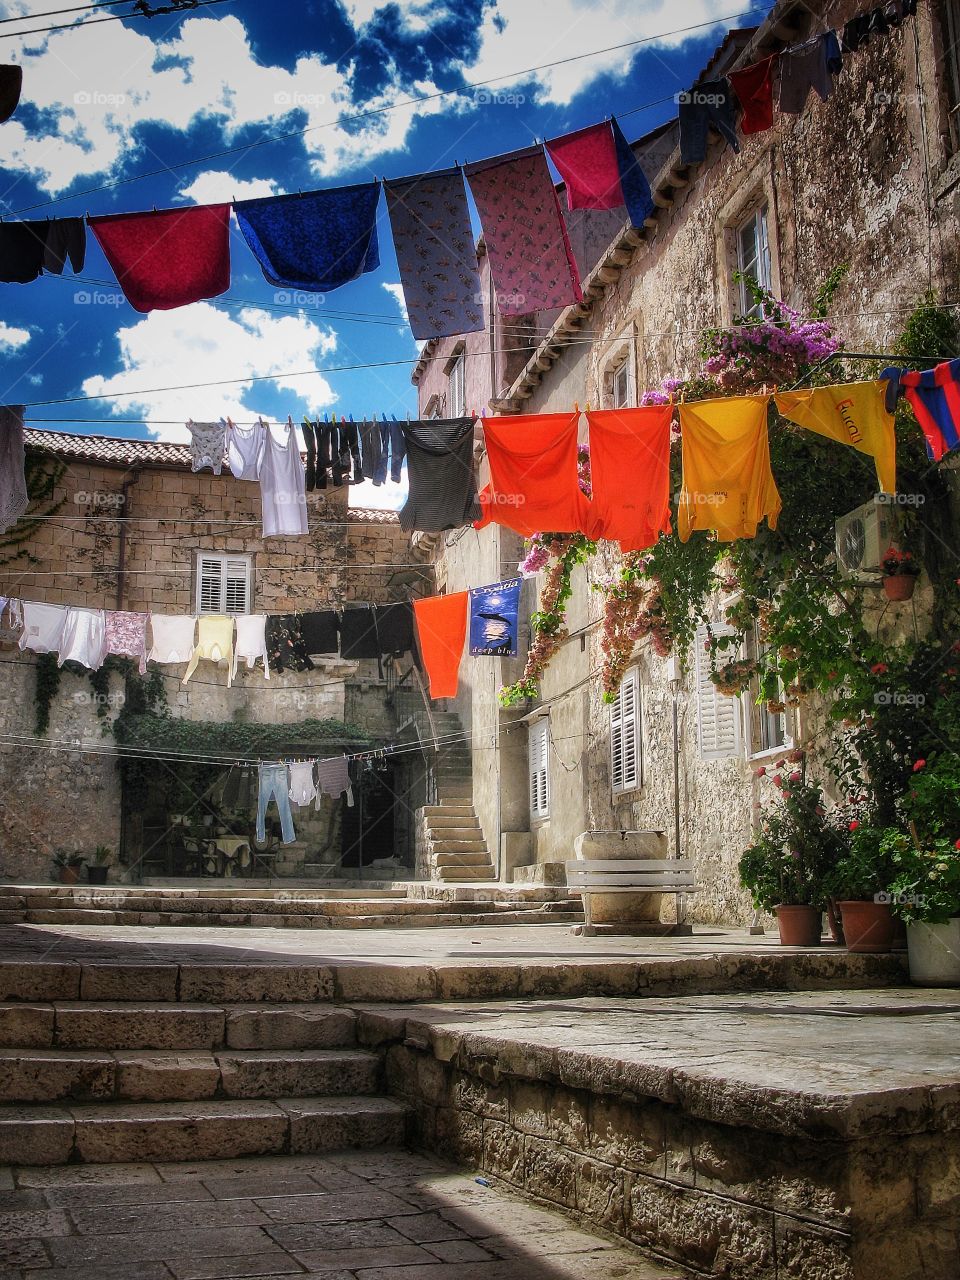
(799, 926)
(867, 926)
(899, 586)
(933, 951)
(97, 875)
(69, 875)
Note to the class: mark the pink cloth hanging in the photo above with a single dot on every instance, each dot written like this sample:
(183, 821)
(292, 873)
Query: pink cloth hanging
(169, 258)
(531, 260)
(587, 161)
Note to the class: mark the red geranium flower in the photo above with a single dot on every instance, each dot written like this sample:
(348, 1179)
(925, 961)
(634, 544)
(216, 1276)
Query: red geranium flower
(879, 668)
(852, 826)
(918, 765)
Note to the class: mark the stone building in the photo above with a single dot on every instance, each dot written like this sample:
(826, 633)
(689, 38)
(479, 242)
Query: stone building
(867, 180)
(126, 524)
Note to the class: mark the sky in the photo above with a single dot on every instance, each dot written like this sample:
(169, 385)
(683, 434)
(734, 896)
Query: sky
(136, 113)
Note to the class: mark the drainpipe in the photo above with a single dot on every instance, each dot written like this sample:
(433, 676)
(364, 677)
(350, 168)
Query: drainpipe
(129, 482)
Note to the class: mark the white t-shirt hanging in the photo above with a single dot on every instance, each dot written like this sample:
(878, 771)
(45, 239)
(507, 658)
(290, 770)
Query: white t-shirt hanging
(42, 626)
(283, 486)
(172, 637)
(82, 639)
(245, 450)
(251, 641)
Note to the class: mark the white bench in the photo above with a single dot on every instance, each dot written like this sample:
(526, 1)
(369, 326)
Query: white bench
(586, 876)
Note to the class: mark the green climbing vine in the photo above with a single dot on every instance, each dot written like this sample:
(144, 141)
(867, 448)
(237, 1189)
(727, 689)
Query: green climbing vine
(42, 476)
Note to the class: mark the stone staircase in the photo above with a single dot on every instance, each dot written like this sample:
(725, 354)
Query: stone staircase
(454, 848)
(226, 904)
(133, 1074)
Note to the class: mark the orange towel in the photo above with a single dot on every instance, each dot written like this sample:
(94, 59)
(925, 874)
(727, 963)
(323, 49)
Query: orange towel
(630, 475)
(441, 632)
(728, 485)
(533, 474)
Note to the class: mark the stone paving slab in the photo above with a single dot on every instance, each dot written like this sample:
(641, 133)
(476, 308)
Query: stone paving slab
(845, 1063)
(328, 1217)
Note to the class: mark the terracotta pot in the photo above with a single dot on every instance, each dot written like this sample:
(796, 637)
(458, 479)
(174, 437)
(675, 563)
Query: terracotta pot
(97, 875)
(799, 926)
(899, 586)
(867, 926)
(69, 875)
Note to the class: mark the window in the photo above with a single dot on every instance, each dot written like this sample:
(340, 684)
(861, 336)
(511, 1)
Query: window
(768, 729)
(223, 583)
(620, 387)
(625, 749)
(951, 58)
(718, 717)
(456, 399)
(753, 260)
(540, 769)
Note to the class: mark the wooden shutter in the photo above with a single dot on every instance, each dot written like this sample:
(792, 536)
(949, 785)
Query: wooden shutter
(718, 717)
(625, 735)
(539, 769)
(223, 584)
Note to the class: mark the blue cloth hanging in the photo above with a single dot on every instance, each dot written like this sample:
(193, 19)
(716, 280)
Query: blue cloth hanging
(494, 612)
(633, 181)
(318, 241)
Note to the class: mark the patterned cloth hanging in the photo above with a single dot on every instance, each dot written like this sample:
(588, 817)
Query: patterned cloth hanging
(494, 612)
(600, 171)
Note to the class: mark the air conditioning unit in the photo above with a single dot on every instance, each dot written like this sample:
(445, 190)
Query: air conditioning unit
(863, 536)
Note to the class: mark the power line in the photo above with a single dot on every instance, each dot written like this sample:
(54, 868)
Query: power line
(58, 13)
(118, 17)
(469, 86)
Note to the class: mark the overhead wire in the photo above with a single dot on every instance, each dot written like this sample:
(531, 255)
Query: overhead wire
(92, 22)
(416, 100)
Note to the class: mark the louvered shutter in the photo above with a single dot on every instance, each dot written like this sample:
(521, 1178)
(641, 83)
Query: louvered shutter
(223, 584)
(625, 735)
(718, 717)
(539, 772)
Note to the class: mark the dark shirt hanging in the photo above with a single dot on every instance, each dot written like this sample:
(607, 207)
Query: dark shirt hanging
(358, 633)
(29, 248)
(285, 647)
(708, 103)
(320, 631)
(443, 489)
(395, 628)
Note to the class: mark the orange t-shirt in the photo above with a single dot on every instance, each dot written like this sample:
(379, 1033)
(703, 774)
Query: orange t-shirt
(533, 474)
(728, 485)
(630, 475)
(441, 633)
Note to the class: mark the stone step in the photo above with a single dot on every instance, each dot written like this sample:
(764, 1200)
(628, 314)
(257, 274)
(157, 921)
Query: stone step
(463, 860)
(145, 1075)
(460, 872)
(449, 811)
(126, 1132)
(459, 846)
(458, 821)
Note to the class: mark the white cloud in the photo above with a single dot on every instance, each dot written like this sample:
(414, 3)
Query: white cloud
(514, 36)
(11, 338)
(217, 186)
(201, 343)
(385, 497)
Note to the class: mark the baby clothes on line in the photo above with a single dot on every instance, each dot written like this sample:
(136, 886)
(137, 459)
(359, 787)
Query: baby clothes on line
(302, 786)
(333, 779)
(708, 103)
(172, 637)
(443, 487)
(245, 449)
(215, 643)
(208, 443)
(82, 638)
(283, 486)
(13, 484)
(811, 65)
(125, 635)
(251, 641)
(285, 644)
(320, 631)
(274, 784)
(42, 627)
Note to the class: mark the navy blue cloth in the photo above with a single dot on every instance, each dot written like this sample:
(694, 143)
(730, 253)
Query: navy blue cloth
(633, 181)
(316, 241)
(493, 619)
(708, 103)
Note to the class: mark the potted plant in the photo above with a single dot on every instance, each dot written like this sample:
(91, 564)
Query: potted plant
(926, 894)
(900, 573)
(98, 872)
(786, 867)
(67, 866)
(859, 883)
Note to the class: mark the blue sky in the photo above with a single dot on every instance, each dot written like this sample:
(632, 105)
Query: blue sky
(108, 101)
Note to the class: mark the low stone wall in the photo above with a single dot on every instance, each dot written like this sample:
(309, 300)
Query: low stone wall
(718, 1199)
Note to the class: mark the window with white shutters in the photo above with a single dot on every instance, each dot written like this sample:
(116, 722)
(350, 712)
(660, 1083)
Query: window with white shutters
(540, 769)
(625, 748)
(718, 717)
(223, 583)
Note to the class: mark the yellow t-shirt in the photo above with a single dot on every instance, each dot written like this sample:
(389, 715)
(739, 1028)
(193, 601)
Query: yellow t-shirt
(214, 642)
(727, 482)
(854, 413)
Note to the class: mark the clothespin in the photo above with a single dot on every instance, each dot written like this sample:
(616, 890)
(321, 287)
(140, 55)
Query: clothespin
(586, 408)
(576, 407)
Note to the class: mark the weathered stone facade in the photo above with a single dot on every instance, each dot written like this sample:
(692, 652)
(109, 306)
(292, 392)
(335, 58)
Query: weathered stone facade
(81, 554)
(865, 180)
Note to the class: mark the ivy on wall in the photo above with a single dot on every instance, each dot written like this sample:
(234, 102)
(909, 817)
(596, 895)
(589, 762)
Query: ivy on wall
(42, 477)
